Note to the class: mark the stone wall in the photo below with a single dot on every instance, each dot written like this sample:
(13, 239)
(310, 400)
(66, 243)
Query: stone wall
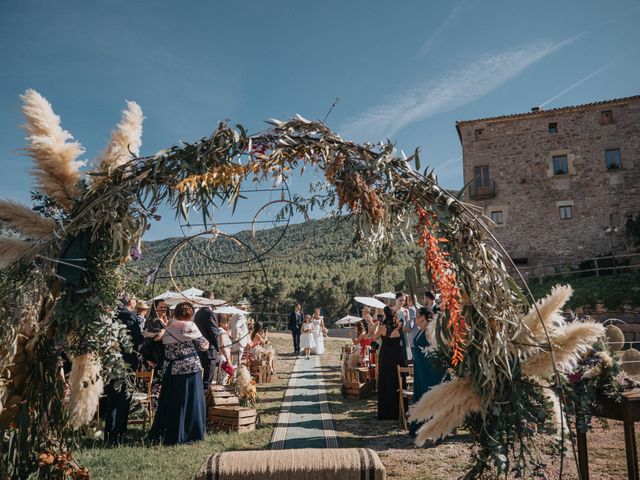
(518, 151)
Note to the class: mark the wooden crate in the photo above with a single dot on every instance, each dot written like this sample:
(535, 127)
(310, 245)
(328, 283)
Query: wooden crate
(221, 395)
(232, 418)
(356, 375)
(262, 374)
(358, 390)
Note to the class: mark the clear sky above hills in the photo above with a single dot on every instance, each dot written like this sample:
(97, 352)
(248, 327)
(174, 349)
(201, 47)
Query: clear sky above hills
(403, 70)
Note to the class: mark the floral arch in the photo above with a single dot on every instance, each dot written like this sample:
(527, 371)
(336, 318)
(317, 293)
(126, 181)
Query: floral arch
(60, 278)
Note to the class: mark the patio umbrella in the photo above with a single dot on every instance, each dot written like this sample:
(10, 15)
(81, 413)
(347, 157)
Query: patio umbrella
(230, 310)
(196, 301)
(164, 295)
(348, 320)
(192, 292)
(388, 295)
(370, 302)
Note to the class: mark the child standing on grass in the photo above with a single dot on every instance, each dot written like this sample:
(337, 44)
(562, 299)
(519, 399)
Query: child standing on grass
(306, 337)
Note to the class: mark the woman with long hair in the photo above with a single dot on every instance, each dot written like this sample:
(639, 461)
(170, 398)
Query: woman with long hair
(181, 408)
(426, 374)
(318, 331)
(390, 331)
(260, 346)
(154, 328)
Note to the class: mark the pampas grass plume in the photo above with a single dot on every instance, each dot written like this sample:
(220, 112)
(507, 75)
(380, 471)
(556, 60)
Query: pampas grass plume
(55, 155)
(568, 342)
(445, 406)
(549, 308)
(126, 140)
(85, 385)
(25, 220)
(12, 250)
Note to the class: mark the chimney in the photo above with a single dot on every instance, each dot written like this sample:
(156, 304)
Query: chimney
(535, 109)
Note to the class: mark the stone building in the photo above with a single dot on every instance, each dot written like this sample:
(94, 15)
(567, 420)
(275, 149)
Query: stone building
(552, 181)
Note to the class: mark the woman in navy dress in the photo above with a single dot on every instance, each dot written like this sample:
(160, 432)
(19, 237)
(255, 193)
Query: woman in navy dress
(426, 374)
(390, 357)
(181, 408)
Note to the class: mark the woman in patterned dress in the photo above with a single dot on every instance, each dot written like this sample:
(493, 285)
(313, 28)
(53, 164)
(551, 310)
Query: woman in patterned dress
(181, 407)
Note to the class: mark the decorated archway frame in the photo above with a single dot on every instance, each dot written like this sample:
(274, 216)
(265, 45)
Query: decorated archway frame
(58, 284)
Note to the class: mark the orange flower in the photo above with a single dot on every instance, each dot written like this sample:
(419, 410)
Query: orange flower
(444, 276)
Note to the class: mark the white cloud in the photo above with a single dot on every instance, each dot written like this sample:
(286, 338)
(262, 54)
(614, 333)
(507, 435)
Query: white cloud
(585, 78)
(454, 89)
(437, 33)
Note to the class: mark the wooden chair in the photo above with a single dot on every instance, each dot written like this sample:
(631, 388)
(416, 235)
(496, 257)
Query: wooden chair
(404, 379)
(143, 379)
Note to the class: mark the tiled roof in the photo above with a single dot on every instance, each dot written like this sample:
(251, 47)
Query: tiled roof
(542, 112)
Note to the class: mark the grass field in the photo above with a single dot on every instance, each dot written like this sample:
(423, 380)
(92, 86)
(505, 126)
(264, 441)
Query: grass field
(139, 461)
(356, 425)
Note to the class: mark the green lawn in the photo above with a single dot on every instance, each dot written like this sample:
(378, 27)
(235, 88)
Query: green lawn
(139, 461)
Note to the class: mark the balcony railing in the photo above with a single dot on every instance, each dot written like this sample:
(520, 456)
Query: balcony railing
(480, 191)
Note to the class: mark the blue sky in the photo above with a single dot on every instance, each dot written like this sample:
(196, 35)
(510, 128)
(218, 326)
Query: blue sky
(403, 70)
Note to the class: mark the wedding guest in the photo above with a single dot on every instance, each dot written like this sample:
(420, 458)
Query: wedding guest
(403, 317)
(141, 313)
(259, 345)
(426, 374)
(181, 408)
(206, 322)
(362, 338)
(390, 357)
(410, 329)
(224, 344)
(318, 331)
(430, 302)
(306, 336)
(117, 401)
(296, 318)
(152, 350)
(239, 329)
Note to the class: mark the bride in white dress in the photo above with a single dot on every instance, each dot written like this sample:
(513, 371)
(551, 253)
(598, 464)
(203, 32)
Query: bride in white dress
(318, 332)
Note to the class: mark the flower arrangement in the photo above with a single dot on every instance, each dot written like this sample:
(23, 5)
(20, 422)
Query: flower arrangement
(593, 377)
(245, 387)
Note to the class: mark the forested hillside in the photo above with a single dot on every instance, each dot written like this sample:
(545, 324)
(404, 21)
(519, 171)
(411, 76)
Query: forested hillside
(326, 273)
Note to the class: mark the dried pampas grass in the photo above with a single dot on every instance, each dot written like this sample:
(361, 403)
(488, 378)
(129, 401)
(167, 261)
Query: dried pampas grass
(556, 410)
(12, 250)
(25, 220)
(126, 140)
(444, 407)
(568, 342)
(549, 309)
(56, 168)
(85, 385)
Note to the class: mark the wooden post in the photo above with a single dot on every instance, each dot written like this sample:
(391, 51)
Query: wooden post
(630, 443)
(583, 453)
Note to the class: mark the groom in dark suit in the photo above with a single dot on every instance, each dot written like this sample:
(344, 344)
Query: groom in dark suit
(296, 318)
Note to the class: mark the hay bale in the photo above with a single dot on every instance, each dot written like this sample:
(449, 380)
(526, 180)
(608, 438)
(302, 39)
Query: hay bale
(305, 463)
(631, 361)
(614, 338)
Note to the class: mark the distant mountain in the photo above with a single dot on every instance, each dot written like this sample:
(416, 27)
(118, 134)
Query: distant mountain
(326, 272)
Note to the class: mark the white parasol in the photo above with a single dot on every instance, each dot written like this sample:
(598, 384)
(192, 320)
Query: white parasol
(388, 295)
(370, 302)
(192, 292)
(230, 310)
(196, 301)
(348, 320)
(164, 295)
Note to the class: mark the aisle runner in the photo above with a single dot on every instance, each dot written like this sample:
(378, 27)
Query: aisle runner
(305, 420)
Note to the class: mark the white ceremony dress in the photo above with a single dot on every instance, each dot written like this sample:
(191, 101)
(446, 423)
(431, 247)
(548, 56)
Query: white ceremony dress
(306, 337)
(317, 336)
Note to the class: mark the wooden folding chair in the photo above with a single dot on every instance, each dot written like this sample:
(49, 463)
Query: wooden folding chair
(404, 374)
(144, 378)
